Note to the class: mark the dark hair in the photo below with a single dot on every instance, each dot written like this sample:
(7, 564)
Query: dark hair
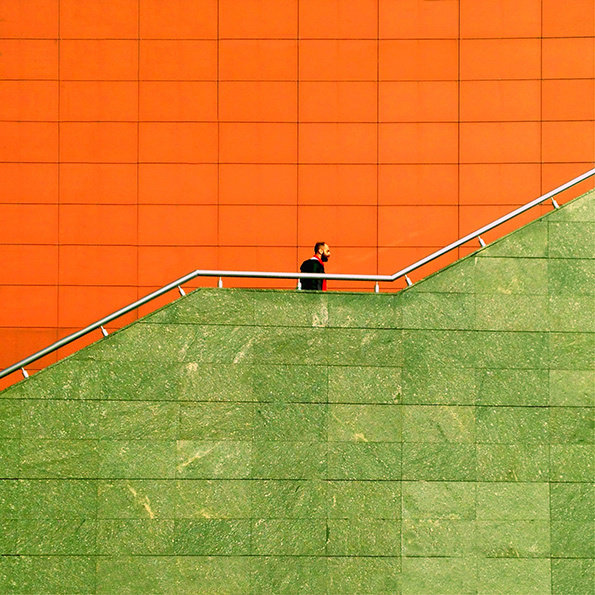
(318, 246)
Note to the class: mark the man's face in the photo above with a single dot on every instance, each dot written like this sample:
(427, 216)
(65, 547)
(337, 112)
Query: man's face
(325, 253)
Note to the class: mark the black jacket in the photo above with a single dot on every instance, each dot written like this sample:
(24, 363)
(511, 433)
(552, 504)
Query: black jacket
(312, 265)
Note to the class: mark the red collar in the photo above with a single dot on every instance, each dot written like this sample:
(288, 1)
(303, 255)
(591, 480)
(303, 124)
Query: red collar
(318, 259)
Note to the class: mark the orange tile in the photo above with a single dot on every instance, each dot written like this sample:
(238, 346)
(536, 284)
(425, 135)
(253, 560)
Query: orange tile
(258, 101)
(392, 260)
(338, 225)
(493, 59)
(24, 264)
(184, 225)
(569, 58)
(98, 101)
(160, 265)
(500, 18)
(417, 226)
(178, 19)
(112, 183)
(29, 59)
(568, 19)
(569, 99)
(95, 142)
(569, 142)
(258, 143)
(500, 142)
(335, 19)
(95, 19)
(258, 60)
(98, 265)
(258, 225)
(557, 174)
(98, 59)
(177, 184)
(419, 19)
(475, 217)
(337, 184)
(98, 224)
(38, 19)
(178, 101)
(28, 224)
(18, 343)
(257, 184)
(338, 101)
(418, 143)
(499, 183)
(497, 101)
(338, 60)
(26, 307)
(178, 142)
(178, 60)
(29, 100)
(257, 258)
(82, 306)
(418, 185)
(273, 19)
(28, 182)
(338, 143)
(419, 101)
(419, 60)
(355, 260)
(28, 141)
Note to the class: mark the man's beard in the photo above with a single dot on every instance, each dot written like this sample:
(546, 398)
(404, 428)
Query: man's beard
(324, 258)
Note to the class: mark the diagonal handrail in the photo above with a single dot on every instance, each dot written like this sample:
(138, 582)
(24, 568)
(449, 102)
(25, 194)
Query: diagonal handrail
(280, 275)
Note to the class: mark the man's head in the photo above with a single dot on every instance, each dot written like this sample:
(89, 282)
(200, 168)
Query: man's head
(322, 250)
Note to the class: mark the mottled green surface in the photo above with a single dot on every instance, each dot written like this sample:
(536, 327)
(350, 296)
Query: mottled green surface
(438, 441)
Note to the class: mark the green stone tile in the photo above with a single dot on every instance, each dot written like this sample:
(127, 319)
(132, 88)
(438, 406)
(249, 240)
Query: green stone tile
(8, 540)
(201, 575)
(289, 499)
(571, 313)
(275, 308)
(458, 277)
(137, 459)
(572, 388)
(363, 537)
(303, 422)
(513, 539)
(364, 576)
(438, 311)
(56, 574)
(135, 537)
(438, 385)
(224, 382)
(219, 344)
(513, 502)
(67, 459)
(513, 350)
(512, 387)
(359, 384)
(573, 539)
(439, 461)
(120, 420)
(289, 575)
(128, 575)
(513, 462)
(573, 577)
(60, 420)
(431, 538)
(212, 499)
(10, 573)
(509, 425)
(224, 459)
(289, 460)
(212, 537)
(350, 460)
(572, 425)
(578, 209)
(497, 312)
(70, 537)
(136, 499)
(572, 502)
(290, 384)
(571, 277)
(572, 462)
(571, 239)
(439, 576)
(364, 499)
(364, 311)
(441, 423)
(10, 419)
(507, 577)
(364, 423)
(509, 276)
(363, 347)
(291, 346)
(216, 421)
(55, 499)
(289, 537)
(9, 498)
(439, 500)
(430, 349)
(10, 459)
(529, 241)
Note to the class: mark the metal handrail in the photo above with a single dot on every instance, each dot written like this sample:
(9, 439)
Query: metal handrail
(276, 275)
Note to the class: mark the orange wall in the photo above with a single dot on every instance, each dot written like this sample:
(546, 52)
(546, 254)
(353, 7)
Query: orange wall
(141, 139)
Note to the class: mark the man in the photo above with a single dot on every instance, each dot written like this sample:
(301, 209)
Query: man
(316, 265)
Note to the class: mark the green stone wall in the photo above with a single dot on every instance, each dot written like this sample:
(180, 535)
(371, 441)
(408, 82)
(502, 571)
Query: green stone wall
(438, 441)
